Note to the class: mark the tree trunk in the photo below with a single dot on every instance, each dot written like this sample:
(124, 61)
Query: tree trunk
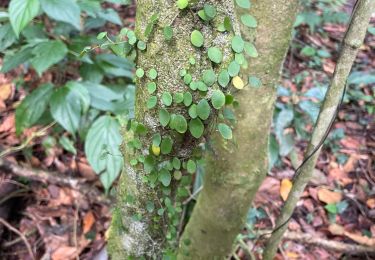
(147, 214)
(235, 171)
(351, 43)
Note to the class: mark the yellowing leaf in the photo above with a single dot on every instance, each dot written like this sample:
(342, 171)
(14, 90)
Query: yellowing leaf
(238, 82)
(292, 255)
(5, 91)
(88, 221)
(329, 197)
(285, 187)
(155, 150)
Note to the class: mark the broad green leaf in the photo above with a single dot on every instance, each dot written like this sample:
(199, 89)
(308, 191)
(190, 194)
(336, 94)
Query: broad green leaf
(67, 144)
(166, 98)
(191, 166)
(151, 102)
(13, 60)
(196, 38)
(193, 111)
(110, 15)
(209, 11)
(225, 131)
(68, 103)
(166, 145)
(47, 54)
(21, 12)
(7, 36)
(196, 127)
(102, 149)
(188, 99)
(250, 50)
(215, 55)
(66, 11)
(32, 107)
(218, 99)
(182, 4)
(203, 109)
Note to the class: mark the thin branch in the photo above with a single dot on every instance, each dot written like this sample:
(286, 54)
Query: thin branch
(22, 236)
(353, 39)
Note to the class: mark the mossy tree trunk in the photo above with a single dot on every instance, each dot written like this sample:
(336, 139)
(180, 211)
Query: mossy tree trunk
(235, 171)
(148, 211)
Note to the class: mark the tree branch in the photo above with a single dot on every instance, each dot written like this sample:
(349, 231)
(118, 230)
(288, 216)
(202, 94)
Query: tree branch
(351, 43)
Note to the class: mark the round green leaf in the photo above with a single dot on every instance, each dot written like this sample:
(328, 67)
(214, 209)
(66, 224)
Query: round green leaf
(193, 85)
(196, 38)
(215, 55)
(151, 87)
(237, 44)
(225, 131)
(248, 20)
(203, 109)
(233, 69)
(201, 86)
(140, 72)
(152, 74)
(151, 102)
(178, 97)
(188, 99)
(156, 139)
(164, 117)
(239, 58)
(179, 124)
(196, 127)
(223, 78)
(187, 79)
(182, 4)
(168, 33)
(167, 98)
(209, 11)
(209, 77)
(193, 111)
(141, 45)
(176, 163)
(166, 145)
(243, 3)
(191, 166)
(192, 60)
(182, 72)
(165, 177)
(218, 99)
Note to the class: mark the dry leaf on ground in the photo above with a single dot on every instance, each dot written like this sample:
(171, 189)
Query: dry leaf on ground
(285, 187)
(329, 197)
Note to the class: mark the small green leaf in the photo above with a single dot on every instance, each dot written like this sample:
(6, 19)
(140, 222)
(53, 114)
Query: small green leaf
(166, 145)
(209, 11)
(192, 60)
(164, 117)
(182, 4)
(101, 35)
(218, 99)
(139, 72)
(167, 98)
(141, 45)
(156, 139)
(150, 206)
(48, 53)
(250, 50)
(176, 163)
(215, 55)
(237, 44)
(67, 144)
(234, 69)
(152, 74)
(196, 38)
(165, 177)
(179, 124)
(151, 87)
(239, 58)
(203, 109)
(196, 127)
(243, 3)
(67, 11)
(209, 77)
(21, 12)
(182, 72)
(191, 166)
(223, 78)
(201, 86)
(248, 20)
(225, 131)
(187, 79)
(188, 99)
(227, 24)
(193, 111)
(178, 97)
(151, 102)
(168, 33)
(202, 15)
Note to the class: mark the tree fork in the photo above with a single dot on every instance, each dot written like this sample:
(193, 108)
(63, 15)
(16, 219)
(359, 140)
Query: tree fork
(234, 172)
(352, 41)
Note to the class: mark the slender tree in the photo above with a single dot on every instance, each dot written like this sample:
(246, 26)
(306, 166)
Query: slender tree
(351, 43)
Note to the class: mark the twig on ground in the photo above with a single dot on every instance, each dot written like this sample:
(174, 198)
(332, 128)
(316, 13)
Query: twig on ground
(22, 236)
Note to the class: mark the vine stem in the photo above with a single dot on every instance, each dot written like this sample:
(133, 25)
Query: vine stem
(351, 43)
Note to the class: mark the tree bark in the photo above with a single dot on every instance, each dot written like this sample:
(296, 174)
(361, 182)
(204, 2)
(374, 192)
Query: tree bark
(351, 43)
(138, 230)
(235, 171)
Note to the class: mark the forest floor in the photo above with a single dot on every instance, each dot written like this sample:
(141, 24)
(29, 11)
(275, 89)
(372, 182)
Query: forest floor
(67, 214)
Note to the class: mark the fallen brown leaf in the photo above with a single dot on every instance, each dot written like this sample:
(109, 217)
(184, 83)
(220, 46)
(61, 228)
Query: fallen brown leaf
(329, 197)
(5, 91)
(285, 187)
(370, 203)
(88, 221)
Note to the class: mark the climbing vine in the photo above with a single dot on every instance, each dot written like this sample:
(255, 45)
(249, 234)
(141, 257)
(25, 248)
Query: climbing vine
(206, 104)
